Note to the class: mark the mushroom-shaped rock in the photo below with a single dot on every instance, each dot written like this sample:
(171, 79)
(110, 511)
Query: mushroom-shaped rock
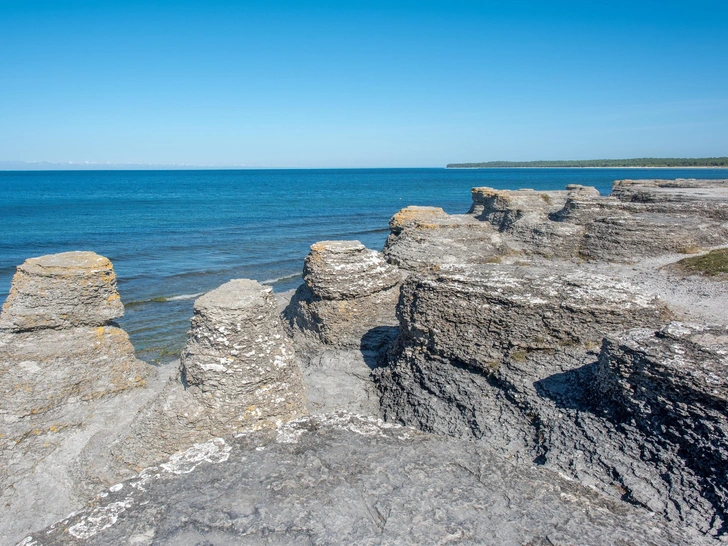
(62, 291)
(349, 290)
(238, 360)
(336, 270)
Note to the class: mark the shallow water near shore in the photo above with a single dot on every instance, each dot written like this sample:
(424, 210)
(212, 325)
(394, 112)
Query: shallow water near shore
(174, 235)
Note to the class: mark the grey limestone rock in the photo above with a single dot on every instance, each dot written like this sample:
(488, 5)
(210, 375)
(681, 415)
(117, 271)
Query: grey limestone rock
(627, 238)
(62, 364)
(707, 198)
(642, 218)
(348, 291)
(672, 385)
(478, 315)
(506, 356)
(342, 479)
(238, 355)
(238, 372)
(426, 237)
(503, 208)
(61, 291)
(340, 270)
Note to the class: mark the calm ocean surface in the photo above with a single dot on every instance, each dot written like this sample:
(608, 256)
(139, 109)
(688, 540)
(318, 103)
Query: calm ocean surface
(173, 235)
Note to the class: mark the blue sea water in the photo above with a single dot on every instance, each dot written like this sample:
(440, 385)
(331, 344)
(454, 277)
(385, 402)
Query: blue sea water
(173, 235)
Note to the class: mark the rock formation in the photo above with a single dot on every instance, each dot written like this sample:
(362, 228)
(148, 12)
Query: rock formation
(341, 479)
(62, 291)
(237, 374)
(341, 318)
(64, 367)
(672, 386)
(348, 290)
(643, 218)
(528, 335)
(505, 353)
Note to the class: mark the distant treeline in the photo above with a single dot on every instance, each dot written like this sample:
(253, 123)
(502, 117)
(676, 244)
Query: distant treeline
(638, 162)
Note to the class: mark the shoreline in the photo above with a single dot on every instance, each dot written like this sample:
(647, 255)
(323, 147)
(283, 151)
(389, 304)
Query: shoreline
(597, 168)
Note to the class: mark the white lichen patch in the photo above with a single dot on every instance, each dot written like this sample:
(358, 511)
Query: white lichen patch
(99, 519)
(364, 425)
(213, 451)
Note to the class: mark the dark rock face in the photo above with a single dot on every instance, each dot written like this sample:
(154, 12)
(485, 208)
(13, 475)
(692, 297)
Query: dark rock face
(348, 291)
(672, 385)
(339, 479)
(504, 355)
(63, 366)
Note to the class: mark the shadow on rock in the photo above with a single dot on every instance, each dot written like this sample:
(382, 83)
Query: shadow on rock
(569, 389)
(375, 345)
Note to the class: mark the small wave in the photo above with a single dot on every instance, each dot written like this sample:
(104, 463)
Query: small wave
(279, 279)
(162, 299)
(184, 297)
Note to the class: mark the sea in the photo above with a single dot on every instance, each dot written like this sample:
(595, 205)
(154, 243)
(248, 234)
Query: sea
(174, 235)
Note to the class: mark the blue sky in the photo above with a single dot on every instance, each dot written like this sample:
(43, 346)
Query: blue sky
(360, 84)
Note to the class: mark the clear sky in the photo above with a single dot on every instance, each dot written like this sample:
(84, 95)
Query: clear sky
(361, 84)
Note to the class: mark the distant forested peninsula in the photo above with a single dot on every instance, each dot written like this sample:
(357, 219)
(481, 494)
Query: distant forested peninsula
(638, 162)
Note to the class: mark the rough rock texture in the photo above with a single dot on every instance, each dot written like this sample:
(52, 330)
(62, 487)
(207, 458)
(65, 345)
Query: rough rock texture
(478, 315)
(672, 385)
(62, 366)
(642, 218)
(504, 355)
(503, 208)
(62, 291)
(238, 357)
(348, 291)
(339, 270)
(238, 372)
(708, 198)
(425, 237)
(340, 479)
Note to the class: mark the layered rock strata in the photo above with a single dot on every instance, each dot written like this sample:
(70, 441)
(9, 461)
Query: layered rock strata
(237, 373)
(348, 290)
(672, 385)
(64, 367)
(340, 479)
(62, 291)
(506, 356)
(341, 318)
(642, 218)
(466, 332)
(425, 237)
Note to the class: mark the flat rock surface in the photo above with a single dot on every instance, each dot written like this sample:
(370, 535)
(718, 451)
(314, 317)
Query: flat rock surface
(341, 479)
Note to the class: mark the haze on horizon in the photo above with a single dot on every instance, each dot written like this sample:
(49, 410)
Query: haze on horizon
(359, 84)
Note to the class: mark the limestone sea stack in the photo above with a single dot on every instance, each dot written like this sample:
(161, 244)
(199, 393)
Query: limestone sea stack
(237, 374)
(238, 361)
(349, 289)
(64, 366)
(62, 291)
